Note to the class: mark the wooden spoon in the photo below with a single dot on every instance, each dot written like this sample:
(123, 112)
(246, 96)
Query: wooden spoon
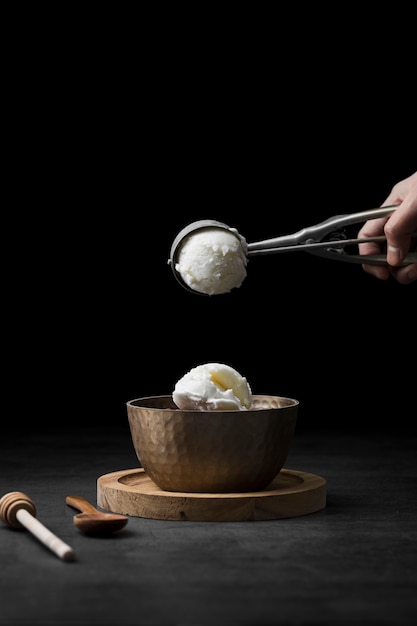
(92, 521)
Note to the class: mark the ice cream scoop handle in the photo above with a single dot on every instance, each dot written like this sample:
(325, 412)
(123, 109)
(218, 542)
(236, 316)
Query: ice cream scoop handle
(314, 234)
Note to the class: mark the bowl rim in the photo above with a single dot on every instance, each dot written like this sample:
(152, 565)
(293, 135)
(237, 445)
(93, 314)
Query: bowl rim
(291, 403)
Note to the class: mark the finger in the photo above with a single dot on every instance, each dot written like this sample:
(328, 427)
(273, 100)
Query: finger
(397, 249)
(398, 231)
(373, 227)
(379, 271)
(405, 275)
(371, 247)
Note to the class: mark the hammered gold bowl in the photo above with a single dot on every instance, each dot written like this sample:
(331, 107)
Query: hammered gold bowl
(212, 451)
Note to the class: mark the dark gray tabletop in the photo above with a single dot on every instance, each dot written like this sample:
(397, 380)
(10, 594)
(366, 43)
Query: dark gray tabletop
(355, 562)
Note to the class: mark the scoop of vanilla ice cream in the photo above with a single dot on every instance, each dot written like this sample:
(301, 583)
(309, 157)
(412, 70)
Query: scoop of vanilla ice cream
(213, 260)
(211, 387)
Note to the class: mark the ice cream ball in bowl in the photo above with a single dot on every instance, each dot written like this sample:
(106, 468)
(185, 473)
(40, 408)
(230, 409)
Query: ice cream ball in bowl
(211, 434)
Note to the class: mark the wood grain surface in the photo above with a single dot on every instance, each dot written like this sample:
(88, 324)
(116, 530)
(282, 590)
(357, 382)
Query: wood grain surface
(131, 492)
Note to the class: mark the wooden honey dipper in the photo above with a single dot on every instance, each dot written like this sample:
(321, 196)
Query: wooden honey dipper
(17, 510)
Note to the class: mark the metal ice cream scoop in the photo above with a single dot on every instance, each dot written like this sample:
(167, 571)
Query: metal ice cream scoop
(325, 239)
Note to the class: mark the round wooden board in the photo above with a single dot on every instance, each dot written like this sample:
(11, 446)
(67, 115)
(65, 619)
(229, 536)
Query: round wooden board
(291, 494)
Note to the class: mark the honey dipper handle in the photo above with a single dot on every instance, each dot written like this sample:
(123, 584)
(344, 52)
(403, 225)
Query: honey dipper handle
(17, 510)
(51, 541)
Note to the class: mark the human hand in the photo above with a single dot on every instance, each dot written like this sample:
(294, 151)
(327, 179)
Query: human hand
(397, 228)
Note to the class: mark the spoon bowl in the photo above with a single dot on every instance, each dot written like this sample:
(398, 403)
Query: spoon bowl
(91, 521)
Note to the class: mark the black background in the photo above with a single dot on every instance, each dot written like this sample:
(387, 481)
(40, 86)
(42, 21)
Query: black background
(122, 133)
